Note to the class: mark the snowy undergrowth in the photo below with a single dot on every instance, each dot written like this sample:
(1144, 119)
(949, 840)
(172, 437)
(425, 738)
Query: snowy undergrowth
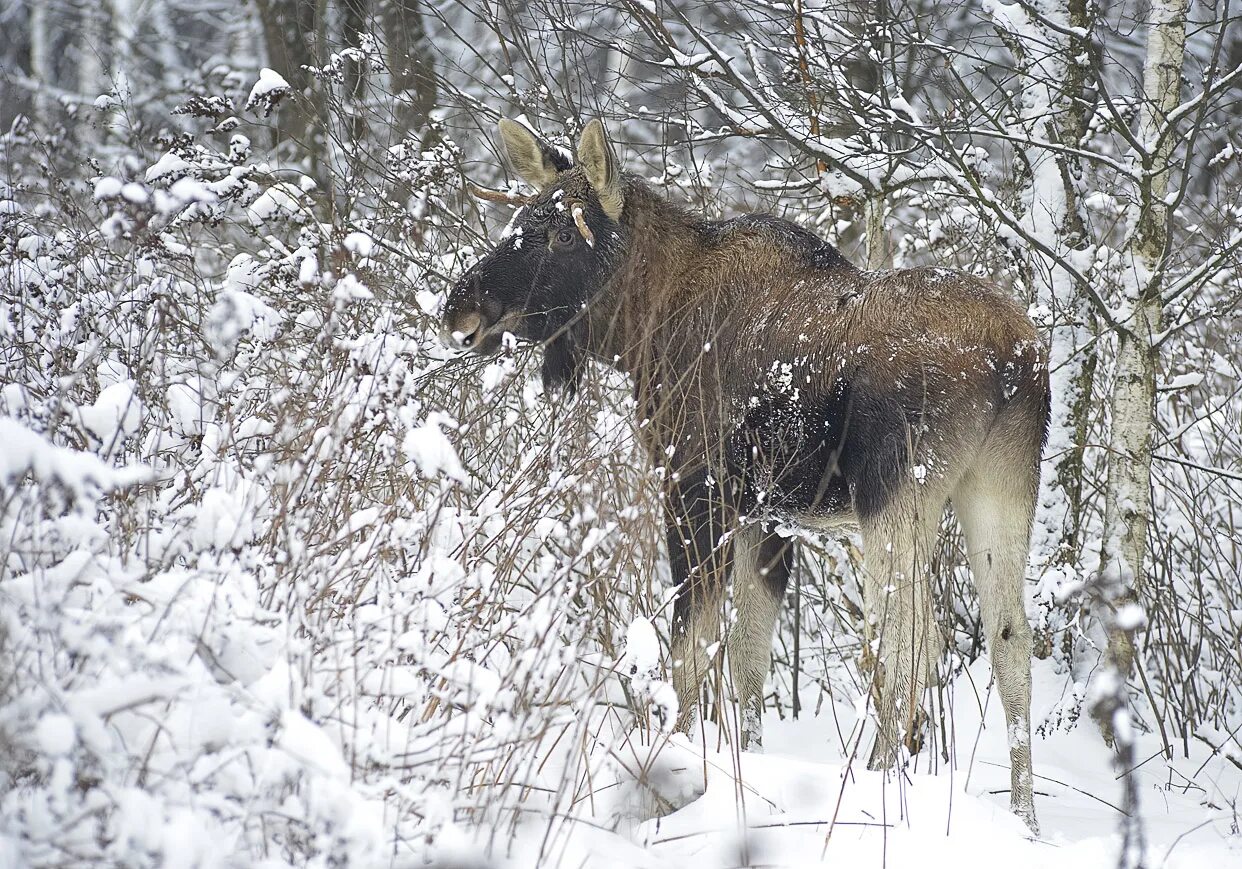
(283, 584)
(276, 586)
(806, 802)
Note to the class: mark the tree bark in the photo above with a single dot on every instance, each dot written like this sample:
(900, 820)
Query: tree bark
(1128, 497)
(41, 61)
(353, 16)
(124, 20)
(410, 67)
(91, 49)
(1127, 510)
(290, 36)
(877, 234)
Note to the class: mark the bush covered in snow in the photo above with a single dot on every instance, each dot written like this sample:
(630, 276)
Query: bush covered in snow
(284, 582)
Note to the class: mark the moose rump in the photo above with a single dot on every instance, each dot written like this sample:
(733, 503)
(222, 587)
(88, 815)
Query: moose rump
(775, 382)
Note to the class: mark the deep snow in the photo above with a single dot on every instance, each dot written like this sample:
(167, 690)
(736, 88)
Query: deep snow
(804, 803)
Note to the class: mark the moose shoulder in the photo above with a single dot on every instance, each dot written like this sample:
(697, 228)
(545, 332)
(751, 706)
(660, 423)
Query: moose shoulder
(775, 380)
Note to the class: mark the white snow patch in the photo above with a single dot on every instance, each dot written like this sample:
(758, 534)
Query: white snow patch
(302, 739)
(26, 451)
(430, 450)
(359, 244)
(641, 662)
(268, 91)
(281, 200)
(56, 734)
(642, 649)
(168, 165)
(350, 289)
(108, 187)
(135, 193)
(116, 412)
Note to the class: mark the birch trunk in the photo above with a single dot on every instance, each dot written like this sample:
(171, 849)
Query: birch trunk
(122, 22)
(91, 77)
(124, 19)
(877, 235)
(1127, 510)
(172, 69)
(41, 61)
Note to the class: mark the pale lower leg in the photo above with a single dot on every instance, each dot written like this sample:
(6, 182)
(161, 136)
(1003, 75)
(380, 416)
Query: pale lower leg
(996, 524)
(760, 572)
(696, 627)
(901, 625)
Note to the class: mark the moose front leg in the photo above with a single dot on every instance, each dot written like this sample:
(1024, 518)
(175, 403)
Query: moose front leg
(699, 552)
(760, 569)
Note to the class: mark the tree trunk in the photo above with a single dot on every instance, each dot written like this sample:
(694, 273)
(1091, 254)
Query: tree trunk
(354, 19)
(124, 18)
(410, 67)
(1127, 510)
(172, 68)
(41, 61)
(92, 46)
(1128, 503)
(877, 234)
(290, 35)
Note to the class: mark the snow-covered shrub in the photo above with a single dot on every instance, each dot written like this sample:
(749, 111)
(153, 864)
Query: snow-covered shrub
(281, 581)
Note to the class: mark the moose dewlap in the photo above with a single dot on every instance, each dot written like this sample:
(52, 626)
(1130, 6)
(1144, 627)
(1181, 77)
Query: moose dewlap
(777, 382)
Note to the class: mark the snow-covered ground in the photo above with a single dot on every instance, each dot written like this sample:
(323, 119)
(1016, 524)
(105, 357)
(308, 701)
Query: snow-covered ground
(806, 802)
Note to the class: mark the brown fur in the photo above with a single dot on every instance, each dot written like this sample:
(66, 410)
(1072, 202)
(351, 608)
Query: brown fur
(950, 344)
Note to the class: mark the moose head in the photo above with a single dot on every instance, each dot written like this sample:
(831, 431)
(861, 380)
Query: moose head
(563, 247)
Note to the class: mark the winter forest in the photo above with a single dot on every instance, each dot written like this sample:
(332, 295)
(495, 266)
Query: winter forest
(286, 581)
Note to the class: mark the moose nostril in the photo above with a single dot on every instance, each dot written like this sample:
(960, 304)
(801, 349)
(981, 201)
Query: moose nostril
(466, 333)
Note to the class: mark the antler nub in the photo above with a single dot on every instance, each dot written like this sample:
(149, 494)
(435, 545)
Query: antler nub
(580, 222)
(498, 195)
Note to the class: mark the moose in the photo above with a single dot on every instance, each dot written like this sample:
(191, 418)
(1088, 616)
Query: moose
(777, 383)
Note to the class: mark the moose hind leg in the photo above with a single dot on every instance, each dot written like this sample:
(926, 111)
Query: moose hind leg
(897, 545)
(759, 576)
(995, 515)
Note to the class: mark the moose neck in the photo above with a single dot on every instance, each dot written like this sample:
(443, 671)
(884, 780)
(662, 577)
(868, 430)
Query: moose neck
(661, 240)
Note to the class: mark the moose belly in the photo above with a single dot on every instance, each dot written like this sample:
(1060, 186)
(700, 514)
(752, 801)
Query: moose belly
(791, 478)
(833, 522)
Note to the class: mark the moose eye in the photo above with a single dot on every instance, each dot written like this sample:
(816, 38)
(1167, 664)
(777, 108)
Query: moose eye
(565, 237)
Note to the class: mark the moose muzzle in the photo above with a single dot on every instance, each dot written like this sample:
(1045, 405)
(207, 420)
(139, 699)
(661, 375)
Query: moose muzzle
(463, 331)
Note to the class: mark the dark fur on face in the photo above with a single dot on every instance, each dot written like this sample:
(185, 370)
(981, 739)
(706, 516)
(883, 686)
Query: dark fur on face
(558, 254)
(539, 280)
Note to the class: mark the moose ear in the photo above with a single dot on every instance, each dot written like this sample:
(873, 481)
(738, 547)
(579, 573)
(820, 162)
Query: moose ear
(535, 163)
(596, 157)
